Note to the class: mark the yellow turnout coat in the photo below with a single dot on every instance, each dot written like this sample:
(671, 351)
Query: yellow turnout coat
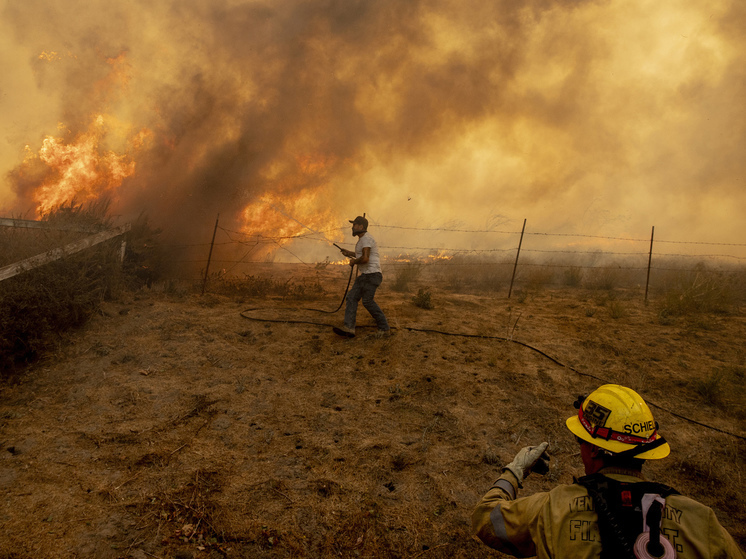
(562, 523)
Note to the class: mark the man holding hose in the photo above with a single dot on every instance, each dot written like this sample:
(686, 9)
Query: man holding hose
(612, 512)
(368, 262)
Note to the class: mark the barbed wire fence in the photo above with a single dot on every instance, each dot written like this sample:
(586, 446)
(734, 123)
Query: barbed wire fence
(522, 257)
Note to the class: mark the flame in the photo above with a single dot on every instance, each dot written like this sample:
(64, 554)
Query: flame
(315, 164)
(439, 256)
(81, 169)
(291, 207)
(286, 216)
(428, 258)
(81, 166)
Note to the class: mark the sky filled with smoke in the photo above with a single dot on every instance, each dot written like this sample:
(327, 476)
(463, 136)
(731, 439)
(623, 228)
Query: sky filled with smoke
(595, 117)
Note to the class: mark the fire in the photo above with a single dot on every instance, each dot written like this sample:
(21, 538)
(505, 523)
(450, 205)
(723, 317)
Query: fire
(439, 256)
(293, 206)
(80, 170)
(316, 164)
(286, 216)
(82, 166)
(278, 221)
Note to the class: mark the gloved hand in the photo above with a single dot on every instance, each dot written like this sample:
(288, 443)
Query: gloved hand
(528, 459)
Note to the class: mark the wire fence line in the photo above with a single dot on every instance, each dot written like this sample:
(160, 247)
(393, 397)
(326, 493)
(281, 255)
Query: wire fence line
(480, 264)
(256, 241)
(239, 254)
(527, 234)
(477, 250)
(532, 257)
(255, 237)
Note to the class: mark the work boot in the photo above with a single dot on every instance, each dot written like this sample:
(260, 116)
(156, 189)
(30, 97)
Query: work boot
(347, 330)
(383, 334)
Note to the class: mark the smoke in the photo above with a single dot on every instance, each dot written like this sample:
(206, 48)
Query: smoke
(600, 117)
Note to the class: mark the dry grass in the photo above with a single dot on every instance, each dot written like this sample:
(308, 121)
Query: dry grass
(701, 290)
(423, 299)
(170, 426)
(471, 274)
(405, 274)
(253, 286)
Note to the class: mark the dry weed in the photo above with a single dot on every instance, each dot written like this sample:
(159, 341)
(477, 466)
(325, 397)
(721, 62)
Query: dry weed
(699, 291)
(406, 273)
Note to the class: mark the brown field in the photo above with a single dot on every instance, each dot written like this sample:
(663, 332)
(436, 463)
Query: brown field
(172, 426)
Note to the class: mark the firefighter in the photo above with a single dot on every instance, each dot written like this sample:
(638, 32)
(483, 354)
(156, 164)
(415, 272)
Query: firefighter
(611, 512)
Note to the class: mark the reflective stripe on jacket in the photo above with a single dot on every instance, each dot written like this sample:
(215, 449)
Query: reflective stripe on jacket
(562, 523)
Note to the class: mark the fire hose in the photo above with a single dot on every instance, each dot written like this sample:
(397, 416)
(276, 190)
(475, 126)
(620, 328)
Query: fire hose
(347, 289)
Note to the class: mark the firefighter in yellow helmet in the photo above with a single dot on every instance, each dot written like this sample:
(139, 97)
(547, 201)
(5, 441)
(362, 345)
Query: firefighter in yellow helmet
(612, 512)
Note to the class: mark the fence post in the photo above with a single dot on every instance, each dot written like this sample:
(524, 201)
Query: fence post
(650, 259)
(517, 254)
(209, 256)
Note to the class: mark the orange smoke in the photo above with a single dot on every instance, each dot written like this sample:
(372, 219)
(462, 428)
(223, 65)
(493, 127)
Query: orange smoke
(582, 117)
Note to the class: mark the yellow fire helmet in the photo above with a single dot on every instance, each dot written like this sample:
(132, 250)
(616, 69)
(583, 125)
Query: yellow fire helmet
(617, 419)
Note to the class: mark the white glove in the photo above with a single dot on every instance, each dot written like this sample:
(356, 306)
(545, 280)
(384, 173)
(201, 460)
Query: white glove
(528, 459)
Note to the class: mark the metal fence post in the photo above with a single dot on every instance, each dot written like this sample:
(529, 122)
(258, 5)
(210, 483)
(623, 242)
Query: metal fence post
(209, 256)
(517, 254)
(650, 259)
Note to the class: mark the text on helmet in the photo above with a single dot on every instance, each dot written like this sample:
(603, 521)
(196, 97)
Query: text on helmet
(596, 413)
(641, 427)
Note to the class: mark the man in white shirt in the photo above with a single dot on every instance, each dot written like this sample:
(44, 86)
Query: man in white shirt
(368, 262)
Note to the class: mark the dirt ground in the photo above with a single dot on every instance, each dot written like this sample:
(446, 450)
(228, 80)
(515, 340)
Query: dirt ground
(173, 426)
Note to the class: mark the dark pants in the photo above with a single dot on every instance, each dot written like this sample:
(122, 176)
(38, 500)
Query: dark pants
(365, 288)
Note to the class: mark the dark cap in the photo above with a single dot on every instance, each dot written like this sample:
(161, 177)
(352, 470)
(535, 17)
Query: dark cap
(360, 220)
